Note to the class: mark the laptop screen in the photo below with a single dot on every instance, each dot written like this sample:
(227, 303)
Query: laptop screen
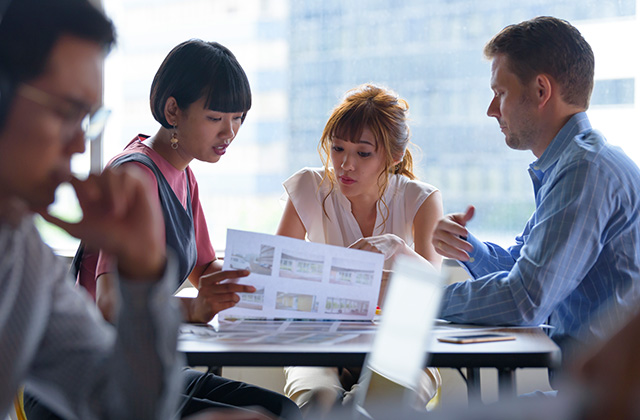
(409, 312)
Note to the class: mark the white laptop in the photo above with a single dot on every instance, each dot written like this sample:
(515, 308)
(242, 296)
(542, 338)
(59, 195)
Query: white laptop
(400, 346)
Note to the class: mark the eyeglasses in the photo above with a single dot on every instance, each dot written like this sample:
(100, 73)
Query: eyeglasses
(75, 114)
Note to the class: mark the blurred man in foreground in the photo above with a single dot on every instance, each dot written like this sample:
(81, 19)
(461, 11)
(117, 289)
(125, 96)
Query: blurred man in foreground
(51, 338)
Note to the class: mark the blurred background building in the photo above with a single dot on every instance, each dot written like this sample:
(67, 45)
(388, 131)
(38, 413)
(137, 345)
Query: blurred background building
(301, 56)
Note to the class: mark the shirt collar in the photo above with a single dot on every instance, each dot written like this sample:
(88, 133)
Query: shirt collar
(577, 124)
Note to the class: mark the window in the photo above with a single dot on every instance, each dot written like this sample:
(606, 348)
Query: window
(302, 55)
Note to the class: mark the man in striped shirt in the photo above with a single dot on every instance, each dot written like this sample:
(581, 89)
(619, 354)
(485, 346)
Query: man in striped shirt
(576, 264)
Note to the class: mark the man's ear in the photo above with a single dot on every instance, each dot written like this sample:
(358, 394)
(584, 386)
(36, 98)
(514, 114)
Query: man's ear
(171, 110)
(544, 88)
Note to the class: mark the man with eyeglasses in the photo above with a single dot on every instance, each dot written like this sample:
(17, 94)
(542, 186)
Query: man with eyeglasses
(77, 114)
(52, 339)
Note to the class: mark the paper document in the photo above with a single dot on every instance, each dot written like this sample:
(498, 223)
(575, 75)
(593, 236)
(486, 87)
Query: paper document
(277, 331)
(296, 279)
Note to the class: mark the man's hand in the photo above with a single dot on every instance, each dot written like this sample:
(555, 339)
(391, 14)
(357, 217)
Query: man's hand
(214, 296)
(121, 217)
(449, 236)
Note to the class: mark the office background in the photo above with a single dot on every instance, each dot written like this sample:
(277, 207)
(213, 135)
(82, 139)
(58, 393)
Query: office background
(302, 55)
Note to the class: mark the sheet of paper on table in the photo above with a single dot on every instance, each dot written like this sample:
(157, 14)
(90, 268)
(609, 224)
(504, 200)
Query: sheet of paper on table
(247, 331)
(296, 279)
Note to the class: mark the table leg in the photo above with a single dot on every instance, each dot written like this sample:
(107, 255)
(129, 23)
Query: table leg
(506, 383)
(474, 393)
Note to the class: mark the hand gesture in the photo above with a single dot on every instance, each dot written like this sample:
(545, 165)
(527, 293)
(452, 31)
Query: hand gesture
(449, 236)
(215, 296)
(388, 244)
(121, 217)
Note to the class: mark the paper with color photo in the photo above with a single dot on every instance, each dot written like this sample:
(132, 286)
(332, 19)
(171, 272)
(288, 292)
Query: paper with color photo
(296, 279)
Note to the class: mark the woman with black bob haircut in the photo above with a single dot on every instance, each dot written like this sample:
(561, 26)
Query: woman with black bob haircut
(200, 95)
(196, 69)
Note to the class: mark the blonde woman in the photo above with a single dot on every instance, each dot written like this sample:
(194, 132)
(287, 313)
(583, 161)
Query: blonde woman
(366, 196)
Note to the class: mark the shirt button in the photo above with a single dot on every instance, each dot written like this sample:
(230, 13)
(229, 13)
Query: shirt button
(472, 259)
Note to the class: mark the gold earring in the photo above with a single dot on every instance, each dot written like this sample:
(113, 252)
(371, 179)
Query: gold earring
(174, 139)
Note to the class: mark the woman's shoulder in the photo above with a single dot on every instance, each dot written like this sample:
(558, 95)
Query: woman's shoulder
(309, 173)
(307, 185)
(150, 163)
(135, 146)
(405, 185)
(305, 177)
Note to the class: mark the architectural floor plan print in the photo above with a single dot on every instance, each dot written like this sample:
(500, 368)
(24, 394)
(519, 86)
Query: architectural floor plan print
(296, 279)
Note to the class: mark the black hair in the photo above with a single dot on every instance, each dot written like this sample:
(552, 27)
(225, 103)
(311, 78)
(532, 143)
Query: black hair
(30, 28)
(196, 69)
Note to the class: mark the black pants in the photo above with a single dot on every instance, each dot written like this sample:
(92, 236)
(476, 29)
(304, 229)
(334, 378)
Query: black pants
(212, 392)
(218, 392)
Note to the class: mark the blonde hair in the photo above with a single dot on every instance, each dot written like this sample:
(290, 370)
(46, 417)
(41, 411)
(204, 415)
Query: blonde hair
(385, 114)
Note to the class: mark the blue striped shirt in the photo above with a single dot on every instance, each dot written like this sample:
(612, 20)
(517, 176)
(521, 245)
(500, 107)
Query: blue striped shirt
(579, 253)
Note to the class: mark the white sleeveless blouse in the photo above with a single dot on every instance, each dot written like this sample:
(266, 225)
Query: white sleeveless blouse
(403, 198)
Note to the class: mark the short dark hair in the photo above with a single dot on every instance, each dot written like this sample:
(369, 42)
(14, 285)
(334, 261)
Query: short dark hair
(30, 28)
(196, 69)
(552, 46)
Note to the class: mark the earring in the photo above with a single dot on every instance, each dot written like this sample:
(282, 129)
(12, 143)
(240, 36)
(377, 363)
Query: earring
(174, 138)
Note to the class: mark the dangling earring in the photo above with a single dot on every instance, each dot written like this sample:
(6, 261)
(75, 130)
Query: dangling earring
(174, 139)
